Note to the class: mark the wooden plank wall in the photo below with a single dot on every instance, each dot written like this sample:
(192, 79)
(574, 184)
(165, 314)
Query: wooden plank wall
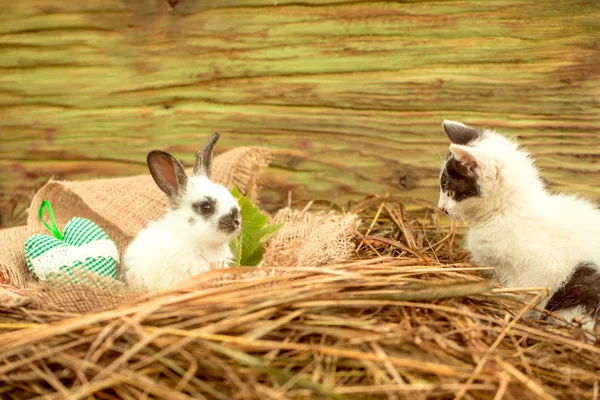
(351, 94)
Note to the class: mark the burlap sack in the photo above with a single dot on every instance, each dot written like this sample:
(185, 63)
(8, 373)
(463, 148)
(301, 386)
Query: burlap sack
(78, 298)
(120, 206)
(307, 240)
(123, 206)
(310, 239)
(13, 269)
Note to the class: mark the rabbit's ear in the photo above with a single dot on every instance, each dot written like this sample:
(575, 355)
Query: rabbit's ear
(204, 157)
(168, 173)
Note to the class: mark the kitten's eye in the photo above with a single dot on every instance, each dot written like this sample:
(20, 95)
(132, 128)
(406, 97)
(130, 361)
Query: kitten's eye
(451, 193)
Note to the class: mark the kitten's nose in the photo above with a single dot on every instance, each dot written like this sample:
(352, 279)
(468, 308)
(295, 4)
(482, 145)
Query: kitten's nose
(442, 209)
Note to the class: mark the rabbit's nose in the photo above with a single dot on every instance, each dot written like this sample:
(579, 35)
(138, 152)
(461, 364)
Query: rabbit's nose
(236, 221)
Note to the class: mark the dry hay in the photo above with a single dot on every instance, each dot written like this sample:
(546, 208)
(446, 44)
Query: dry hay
(406, 319)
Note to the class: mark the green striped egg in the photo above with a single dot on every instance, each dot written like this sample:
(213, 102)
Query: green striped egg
(85, 247)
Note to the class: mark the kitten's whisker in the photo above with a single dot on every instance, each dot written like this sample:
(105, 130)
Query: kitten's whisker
(442, 160)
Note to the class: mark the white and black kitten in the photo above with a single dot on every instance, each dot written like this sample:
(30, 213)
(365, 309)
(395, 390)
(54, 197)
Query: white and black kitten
(531, 237)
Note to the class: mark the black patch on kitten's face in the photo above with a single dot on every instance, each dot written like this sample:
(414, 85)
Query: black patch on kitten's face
(230, 222)
(582, 289)
(205, 208)
(457, 178)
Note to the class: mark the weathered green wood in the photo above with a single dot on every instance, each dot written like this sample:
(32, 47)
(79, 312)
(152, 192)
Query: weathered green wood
(351, 94)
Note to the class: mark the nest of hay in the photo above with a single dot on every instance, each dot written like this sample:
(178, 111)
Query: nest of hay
(406, 317)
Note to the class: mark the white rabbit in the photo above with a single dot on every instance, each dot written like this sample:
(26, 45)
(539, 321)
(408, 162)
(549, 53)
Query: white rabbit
(194, 235)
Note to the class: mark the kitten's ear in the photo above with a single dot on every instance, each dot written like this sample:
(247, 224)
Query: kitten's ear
(465, 155)
(459, 133)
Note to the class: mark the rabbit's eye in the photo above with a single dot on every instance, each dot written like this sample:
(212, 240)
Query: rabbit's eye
(204, 208)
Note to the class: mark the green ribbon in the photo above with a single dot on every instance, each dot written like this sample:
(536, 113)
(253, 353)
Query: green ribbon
(52, 229)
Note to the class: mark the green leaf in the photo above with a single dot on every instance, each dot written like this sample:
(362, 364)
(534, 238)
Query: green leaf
(236, 249)
(248, 246)
(255, 258)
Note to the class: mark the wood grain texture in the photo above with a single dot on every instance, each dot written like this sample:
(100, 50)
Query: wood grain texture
(350, 94)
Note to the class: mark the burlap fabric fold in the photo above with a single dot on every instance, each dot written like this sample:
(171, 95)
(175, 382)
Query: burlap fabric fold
(123, 206)
(120, 206)
(310, 239)
(13, 269)
(306, 240)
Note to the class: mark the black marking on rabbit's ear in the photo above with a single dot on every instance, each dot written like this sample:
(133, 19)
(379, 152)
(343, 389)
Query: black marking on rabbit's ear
(459, 133)
(204, 157)
(168, 173)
